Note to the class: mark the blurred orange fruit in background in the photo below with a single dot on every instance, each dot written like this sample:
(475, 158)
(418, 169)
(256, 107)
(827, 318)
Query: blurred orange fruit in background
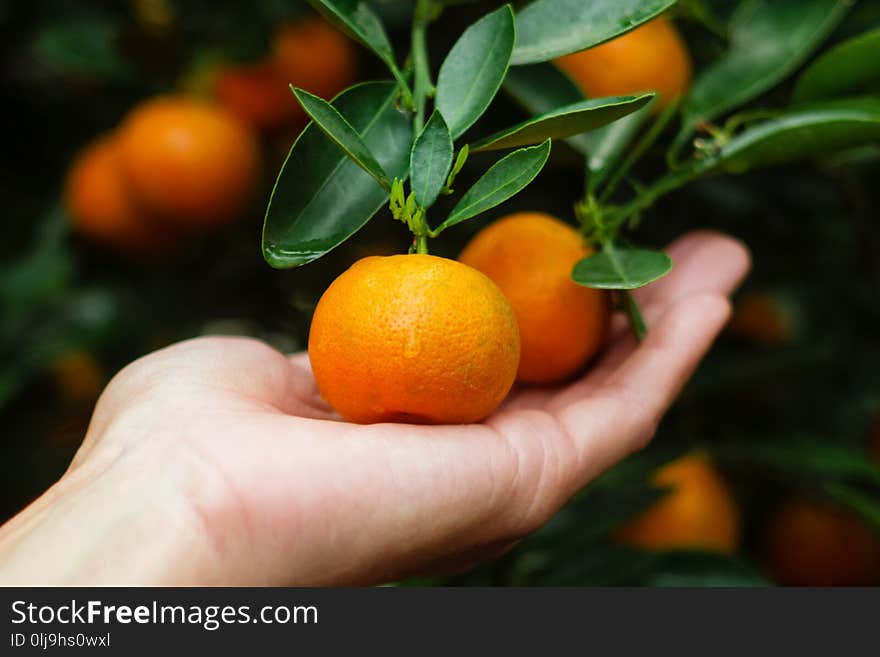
(763, 318)
(194, 164)
(413, 338)
(310, 54)
(698, 512)
(258, 95)
(79, 377)
(530, 255)
(101, 206)
(815, 544)
(652, 57)
(315, 56)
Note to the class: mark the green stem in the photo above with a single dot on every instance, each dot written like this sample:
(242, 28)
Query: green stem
(647, 140)
(650, 195)
(422, 84)
(422, 244)
(633, 315)
(403, 85)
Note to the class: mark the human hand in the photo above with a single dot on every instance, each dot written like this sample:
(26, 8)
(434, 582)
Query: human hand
(215, 461)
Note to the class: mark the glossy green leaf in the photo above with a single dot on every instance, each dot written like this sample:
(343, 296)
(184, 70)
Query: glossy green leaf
(321, 197)
(551, 28)
(849, 67)
(541, 88)
(504, 179)
(358, 20)
(341, 133)
(474, 69)
(564, 122)
(431, 160)
(616, 268)
(820, 129)
(769, 39)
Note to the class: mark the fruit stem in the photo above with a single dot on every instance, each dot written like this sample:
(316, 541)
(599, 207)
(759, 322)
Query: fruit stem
(422, 244)
(422, 84)
(633, 315)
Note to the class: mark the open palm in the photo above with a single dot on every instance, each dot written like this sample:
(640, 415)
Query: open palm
(263, 484)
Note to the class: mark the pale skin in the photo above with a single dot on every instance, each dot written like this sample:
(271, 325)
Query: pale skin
(215, 461)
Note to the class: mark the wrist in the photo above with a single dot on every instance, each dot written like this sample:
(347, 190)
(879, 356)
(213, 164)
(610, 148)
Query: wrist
(123, 524)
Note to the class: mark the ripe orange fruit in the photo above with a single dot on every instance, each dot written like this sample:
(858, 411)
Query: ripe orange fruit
(530, 256)
(315, 56)
(699, 512)
(78, 376)
(101, 207)
(815, 544)
(259, 95)
(192, 163)
(652, 57)
(413, 338)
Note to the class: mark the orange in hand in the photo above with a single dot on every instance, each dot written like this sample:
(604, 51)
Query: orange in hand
(189, 162)
(699, 512)
(651, 57)
(530, 256)
(413, 338)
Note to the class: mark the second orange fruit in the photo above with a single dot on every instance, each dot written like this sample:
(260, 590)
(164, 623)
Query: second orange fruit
(413, 338)
(530, 256)
(651, 57)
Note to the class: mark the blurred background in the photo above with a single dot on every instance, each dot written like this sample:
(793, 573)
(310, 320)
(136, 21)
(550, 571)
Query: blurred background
(762, 473)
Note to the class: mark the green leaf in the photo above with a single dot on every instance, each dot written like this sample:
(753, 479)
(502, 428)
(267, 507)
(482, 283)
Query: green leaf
(819, 129)
(565, 121)
(340, 132)
(848, 67)
(606, 145)
(866, 507)
(541, 88)
(687, 568)
(360, 22)
(769, 39)
(321, 197)
(82, 47)
(504, 179)
(474, 69)
(807, 460)
(615, 268)
(431, 160)
(552, 28)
